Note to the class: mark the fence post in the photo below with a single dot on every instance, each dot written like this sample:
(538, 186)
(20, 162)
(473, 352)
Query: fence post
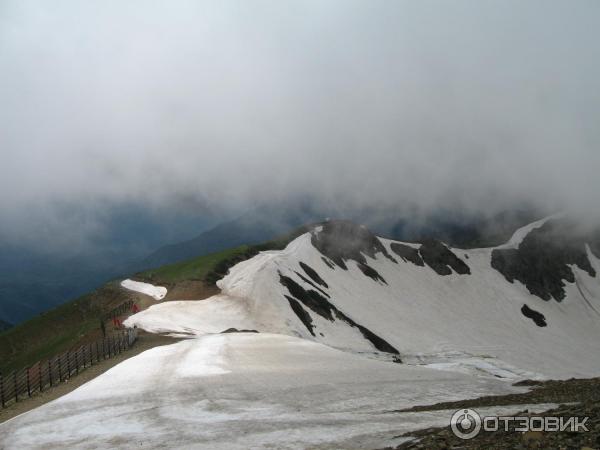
(40, 374)
(1, 391)
(91, 355)
(50, 372)
(97, 352)
(59, 369)
(28, 384)
(15, 382)
(68, 364)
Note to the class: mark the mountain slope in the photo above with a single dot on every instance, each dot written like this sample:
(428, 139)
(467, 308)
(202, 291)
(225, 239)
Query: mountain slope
(343, 286)
(244, 390)
(258, 225)
(410, 324)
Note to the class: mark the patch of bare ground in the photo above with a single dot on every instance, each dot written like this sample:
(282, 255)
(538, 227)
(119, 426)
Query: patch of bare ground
(191, 290)
(576, 398)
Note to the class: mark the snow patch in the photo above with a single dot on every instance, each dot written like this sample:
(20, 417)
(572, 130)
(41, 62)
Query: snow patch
(472, 323)
(239, 391)
(156, 292)
(522, 232)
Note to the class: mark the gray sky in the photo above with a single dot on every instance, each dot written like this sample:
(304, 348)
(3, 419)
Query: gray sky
(434, 103)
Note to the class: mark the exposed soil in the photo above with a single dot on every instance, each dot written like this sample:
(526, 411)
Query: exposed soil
(191, 290)
(576, 398)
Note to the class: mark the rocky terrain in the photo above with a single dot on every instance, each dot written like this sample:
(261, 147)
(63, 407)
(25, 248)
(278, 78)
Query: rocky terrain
(575, 397)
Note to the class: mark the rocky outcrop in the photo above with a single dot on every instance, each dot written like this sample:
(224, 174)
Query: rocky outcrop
(407, 253)
(537, 317)
(342, 241)
(320, 305)
(441, 259)
(543, 260)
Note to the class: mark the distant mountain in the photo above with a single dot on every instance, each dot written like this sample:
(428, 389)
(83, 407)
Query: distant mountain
(458, 230)
(34, 280)
(258, 225)
(267, 222)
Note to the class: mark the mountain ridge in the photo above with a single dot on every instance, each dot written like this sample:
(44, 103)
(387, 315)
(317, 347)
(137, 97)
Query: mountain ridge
(338, 280)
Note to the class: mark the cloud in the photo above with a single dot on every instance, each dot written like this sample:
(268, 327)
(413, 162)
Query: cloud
(474, 104)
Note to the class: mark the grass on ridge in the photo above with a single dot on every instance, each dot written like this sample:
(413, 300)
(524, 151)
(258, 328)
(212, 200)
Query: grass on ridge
(192, 269)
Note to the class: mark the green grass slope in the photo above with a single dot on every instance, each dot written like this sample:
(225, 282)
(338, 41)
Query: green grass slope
(192, 269)
(78, 321)
(57, 330)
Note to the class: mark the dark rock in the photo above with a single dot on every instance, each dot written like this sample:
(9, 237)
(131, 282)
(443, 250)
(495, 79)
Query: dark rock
(341, 241)
(302, 314)
(329, 263)
(542, 261)
(439, 257)
(582, 394)
(306, 280)
(407, 253)
(370, 272)
(312, 273)
(537, 317)
(321, 306)
(310, 298)
(235, 330)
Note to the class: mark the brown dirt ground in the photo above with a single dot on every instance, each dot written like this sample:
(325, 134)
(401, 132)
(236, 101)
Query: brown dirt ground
(191, 290)
(575, 397)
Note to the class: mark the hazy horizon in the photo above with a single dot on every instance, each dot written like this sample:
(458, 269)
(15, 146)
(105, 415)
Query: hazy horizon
(218, 106)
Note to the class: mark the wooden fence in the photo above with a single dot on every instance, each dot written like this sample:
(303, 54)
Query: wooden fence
(24, 383)
(118, 311)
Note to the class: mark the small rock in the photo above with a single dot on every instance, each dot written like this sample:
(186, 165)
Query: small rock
(532, 439)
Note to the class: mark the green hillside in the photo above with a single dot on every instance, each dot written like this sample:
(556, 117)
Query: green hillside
(57, 330)
(191, 269)
(78, 321)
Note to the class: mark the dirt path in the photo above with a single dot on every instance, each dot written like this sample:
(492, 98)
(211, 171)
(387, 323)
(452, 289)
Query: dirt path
(144, 342)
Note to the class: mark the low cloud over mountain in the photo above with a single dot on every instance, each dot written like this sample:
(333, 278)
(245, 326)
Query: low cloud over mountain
(218, 105)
